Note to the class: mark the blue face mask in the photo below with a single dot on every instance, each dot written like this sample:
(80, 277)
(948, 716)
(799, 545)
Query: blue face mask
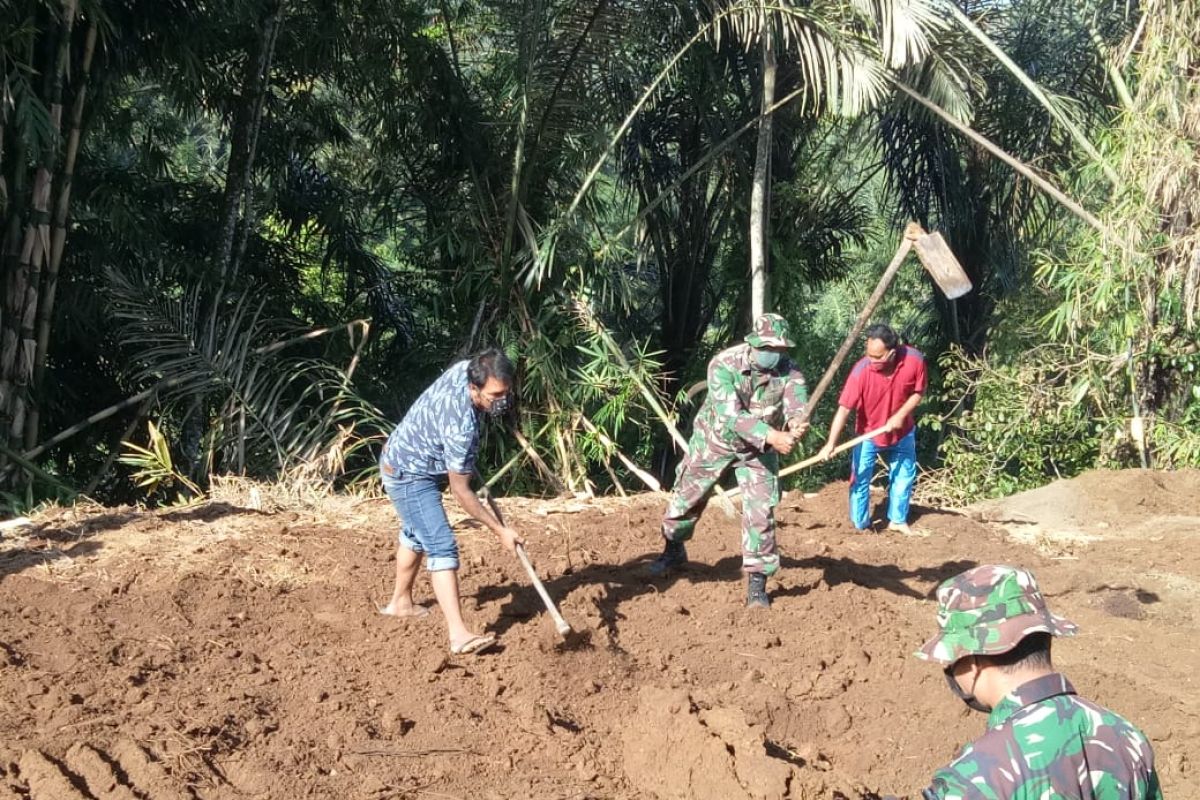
(766, 359)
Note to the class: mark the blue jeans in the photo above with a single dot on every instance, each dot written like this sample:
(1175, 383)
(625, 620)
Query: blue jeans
(902, 474)
(424, 527)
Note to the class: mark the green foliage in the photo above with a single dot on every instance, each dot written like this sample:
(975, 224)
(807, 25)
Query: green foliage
(222, 368)
(154, 468)
(1097, 367)
(1013, 427)
(463, 174)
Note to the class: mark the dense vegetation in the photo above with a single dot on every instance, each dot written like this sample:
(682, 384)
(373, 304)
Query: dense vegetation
(242, 236)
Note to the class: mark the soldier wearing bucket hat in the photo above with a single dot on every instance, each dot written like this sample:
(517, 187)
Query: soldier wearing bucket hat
(753, 412)
(1043, 740)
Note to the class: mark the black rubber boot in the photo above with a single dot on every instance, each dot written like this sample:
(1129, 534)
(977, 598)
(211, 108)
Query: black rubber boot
(756, 591)
(674, 555)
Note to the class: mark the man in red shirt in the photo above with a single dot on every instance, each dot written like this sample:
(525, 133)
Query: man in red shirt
(882, 390)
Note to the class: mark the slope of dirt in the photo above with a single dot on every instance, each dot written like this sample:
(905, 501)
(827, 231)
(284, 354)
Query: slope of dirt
(221, 652)
(1098, 505)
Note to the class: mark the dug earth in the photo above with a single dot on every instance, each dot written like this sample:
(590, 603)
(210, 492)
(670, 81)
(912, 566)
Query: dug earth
(223, 652)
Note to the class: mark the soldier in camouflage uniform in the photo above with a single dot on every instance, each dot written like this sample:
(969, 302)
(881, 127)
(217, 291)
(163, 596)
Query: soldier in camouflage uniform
(754, 391)
(1043, 741)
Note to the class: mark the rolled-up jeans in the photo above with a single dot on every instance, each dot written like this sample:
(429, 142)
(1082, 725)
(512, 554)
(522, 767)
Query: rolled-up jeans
(424, 527)
(902, 474)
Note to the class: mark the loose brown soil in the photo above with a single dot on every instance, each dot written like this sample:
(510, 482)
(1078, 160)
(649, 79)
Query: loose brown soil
(221, 652)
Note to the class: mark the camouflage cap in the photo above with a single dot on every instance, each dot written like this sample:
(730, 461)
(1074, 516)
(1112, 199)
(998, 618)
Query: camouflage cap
(988, 610)
(770, 330)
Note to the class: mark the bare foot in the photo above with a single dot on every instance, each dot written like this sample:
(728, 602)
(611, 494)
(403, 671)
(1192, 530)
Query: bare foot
(903, 528)
(409, 610)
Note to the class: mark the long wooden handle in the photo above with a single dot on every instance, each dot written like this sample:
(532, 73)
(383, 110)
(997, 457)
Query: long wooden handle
(808, 462)
(910, 234)
(559, 623)
(844, 446)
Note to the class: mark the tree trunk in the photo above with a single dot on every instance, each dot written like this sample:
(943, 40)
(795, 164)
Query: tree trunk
(243, 140)
(58, 239)
(19, 346)
(760, 192)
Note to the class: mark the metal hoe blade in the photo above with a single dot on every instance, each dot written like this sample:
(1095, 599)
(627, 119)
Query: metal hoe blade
(942, 266)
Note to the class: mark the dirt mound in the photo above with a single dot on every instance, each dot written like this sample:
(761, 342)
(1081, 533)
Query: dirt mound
(682, 751)
(1100, 501)
(223, 652)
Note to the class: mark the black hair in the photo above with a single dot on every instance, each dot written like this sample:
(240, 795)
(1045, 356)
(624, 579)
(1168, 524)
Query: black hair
(1032, 652)
(884, 334)
(490, 363)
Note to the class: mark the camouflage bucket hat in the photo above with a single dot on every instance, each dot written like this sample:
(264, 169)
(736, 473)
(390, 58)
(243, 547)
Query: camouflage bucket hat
(987, 611)
(770, 330)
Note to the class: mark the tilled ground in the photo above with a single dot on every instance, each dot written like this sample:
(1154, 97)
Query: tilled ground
(225, 653)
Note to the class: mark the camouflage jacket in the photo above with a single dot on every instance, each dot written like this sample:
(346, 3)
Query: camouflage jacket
(745, 402)
(1045, 743)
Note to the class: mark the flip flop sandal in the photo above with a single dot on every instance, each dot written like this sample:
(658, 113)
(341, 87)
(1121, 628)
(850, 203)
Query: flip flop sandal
(418, 612)
(476, 644)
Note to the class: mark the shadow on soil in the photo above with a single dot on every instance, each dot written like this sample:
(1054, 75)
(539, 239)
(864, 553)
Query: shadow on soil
(627, 581)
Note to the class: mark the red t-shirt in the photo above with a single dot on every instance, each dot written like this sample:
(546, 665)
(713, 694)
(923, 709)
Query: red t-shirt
(874, 395)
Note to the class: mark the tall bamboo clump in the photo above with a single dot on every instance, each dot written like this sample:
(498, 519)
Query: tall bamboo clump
(1129, 299)
(1156, 226)
(38, 151)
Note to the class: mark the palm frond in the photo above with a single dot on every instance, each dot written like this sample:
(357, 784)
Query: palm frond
(266, 409)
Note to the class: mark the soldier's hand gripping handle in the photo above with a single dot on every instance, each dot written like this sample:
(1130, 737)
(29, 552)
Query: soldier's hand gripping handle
(780, 441)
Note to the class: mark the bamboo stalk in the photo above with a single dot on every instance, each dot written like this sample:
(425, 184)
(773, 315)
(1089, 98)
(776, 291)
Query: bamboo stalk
(20, 360)
(642, 475)
(58, 238)
(564, 459)
(612, 476)
(11, 256)
(651, 399)
(537, 460)
(35, 470)
(513, 461)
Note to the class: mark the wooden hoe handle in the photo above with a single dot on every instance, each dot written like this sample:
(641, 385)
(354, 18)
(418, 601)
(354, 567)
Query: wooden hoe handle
(808, 462)
(560, 624)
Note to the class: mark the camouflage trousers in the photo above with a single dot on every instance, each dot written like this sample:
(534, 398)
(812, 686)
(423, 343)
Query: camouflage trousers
(757, 477)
